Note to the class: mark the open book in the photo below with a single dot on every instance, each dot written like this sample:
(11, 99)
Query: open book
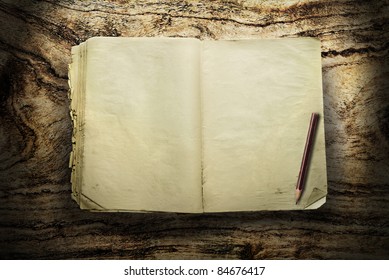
(183, 125)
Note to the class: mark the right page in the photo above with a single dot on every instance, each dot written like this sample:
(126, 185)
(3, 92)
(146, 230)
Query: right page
(257, 100)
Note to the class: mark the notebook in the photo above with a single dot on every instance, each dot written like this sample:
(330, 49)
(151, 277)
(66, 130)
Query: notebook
(191, 126)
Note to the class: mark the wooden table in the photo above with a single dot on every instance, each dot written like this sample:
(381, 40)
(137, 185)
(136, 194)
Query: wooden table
(38, 219)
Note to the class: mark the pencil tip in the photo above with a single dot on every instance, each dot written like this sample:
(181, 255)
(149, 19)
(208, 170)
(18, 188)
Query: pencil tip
(298, 195)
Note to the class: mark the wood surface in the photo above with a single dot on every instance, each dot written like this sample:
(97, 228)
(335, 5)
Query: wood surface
(38, 219)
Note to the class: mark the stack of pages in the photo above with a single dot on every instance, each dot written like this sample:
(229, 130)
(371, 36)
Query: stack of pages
(183, 125)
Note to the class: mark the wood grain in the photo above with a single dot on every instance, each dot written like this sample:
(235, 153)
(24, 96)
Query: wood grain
(38, 219)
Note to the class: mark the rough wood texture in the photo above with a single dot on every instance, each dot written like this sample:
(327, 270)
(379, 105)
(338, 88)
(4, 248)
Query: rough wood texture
(39, 220)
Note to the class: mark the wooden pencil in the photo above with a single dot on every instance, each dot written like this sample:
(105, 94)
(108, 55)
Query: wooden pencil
(306, 156)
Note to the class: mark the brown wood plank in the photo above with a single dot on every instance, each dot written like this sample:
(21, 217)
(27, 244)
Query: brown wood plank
(38, 220)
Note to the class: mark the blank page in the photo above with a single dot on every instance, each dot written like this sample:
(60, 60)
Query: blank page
(142, 146)
(257, 100)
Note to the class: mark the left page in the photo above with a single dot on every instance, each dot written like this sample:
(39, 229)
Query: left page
(141, 136)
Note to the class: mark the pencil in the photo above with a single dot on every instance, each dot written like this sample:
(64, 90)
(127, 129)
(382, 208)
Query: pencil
(306, 155)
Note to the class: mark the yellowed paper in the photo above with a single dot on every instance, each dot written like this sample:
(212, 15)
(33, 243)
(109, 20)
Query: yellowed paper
(258, 96)
(142, 146)
(181, 125)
